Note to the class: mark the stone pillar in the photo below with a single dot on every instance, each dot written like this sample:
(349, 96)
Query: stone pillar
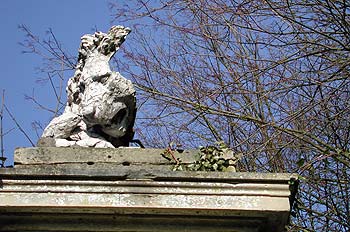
(130, 189)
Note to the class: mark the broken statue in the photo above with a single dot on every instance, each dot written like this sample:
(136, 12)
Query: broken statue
(101, 105)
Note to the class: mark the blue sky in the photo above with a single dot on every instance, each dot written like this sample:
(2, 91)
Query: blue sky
(69, 19)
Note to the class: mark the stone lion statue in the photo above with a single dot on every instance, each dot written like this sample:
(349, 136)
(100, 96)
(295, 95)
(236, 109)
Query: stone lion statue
(101, 105)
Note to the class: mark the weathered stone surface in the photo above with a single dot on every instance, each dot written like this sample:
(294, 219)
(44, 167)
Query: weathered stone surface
(120, 223)
(128, 189)
(120, 163)
(136, 156)
(101, 106)
(234, 202)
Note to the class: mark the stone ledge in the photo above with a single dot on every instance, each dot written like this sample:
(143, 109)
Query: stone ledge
(59, 155)
(50, 194)
(145, 172)
(136, 223)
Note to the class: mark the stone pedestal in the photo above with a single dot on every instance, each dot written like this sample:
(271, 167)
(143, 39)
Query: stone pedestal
(130, 189)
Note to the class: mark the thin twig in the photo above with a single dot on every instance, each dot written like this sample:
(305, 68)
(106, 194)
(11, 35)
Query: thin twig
(1, 129)
(170, 152)
(33, 99)
(60, 88)
(18, 126)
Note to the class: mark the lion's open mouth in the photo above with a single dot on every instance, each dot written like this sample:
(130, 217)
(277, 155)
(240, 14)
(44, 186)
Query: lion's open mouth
(119, 117)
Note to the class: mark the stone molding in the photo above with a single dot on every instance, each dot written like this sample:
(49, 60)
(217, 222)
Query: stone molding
(96, 186)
